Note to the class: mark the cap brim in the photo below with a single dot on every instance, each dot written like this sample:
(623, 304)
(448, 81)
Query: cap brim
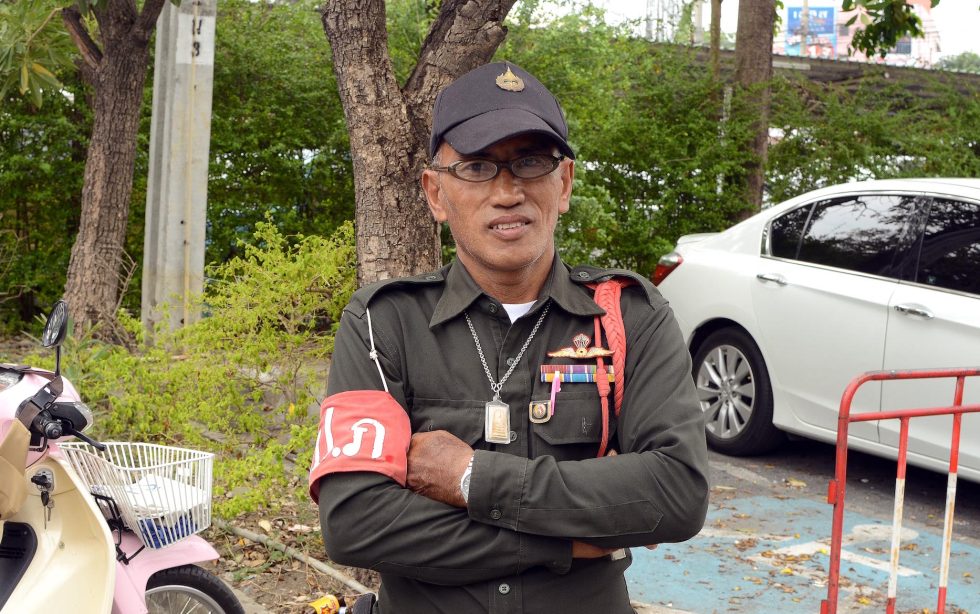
(484, 130)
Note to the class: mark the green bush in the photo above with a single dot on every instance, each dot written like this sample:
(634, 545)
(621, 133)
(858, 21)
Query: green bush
(245, 380)
(880, 127)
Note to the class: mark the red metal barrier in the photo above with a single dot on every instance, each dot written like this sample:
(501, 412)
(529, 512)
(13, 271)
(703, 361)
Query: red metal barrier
(835, 493)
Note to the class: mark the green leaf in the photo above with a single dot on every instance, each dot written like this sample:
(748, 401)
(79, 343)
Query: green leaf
(36, 93)
(47, 79)
(42, 71)
(86, 6)
(25, 78)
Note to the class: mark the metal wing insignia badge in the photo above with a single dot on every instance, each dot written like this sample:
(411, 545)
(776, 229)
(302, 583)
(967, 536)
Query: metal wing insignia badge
(580, 349)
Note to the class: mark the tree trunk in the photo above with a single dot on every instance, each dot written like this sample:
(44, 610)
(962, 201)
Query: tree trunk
(116, 71)
(716, 39)
(753, 71)
(389, 126)
(93, 287)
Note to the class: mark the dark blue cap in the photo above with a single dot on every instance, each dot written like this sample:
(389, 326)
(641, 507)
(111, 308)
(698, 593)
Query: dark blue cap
(492, 103)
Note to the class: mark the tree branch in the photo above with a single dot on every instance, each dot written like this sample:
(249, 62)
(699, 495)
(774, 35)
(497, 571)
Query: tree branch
(128, 7)
(41, 27)
(91, 54)
(147, 19)
(365, 79)
(464, 35)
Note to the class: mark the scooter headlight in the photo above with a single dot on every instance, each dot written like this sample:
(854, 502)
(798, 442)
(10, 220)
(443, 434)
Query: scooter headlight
(8, 379)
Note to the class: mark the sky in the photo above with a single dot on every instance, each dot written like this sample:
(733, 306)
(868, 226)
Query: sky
(958, 21)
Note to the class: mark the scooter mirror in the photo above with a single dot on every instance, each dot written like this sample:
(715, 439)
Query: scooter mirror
(56, 327)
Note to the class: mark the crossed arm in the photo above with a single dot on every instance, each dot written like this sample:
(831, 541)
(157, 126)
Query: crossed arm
(524, 512)
(436, 462)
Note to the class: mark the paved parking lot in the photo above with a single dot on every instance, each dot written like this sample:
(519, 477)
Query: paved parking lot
(765, 544)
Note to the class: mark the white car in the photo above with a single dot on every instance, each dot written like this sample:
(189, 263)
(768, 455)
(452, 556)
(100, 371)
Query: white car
(782, 310)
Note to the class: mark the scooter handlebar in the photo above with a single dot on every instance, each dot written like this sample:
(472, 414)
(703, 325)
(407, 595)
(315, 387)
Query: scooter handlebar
(95, 444)
(50, 427)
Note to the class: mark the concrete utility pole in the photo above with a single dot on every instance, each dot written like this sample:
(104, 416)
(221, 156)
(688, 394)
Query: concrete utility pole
(180, 134)
(698, 19)
(648, 21)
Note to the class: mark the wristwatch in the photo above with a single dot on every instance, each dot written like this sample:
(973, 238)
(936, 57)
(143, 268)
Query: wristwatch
(464, 482)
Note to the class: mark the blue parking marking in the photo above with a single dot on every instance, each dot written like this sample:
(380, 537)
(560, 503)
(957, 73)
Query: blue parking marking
(765, 554)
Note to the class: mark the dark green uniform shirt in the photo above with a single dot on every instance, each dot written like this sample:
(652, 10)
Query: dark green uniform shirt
(510, 552)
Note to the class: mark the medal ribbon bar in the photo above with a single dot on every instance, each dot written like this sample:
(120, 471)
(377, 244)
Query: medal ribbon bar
(573, 373)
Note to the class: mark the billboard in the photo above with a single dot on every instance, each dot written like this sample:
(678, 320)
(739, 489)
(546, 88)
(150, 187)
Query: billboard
(821, 32)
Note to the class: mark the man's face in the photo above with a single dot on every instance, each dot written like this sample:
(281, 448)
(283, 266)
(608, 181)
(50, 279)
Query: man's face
(506, 224)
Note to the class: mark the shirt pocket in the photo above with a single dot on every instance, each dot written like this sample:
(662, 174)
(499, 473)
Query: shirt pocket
(573, 432)
(464, 419)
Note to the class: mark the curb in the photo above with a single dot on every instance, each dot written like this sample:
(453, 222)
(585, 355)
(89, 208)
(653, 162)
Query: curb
(250, 605)
(646, 608)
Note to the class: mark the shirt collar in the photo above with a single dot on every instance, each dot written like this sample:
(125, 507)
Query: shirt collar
(461, 291)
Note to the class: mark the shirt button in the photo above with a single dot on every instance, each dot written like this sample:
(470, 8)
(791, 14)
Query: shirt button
(583, 275)
(510, 361)
(431, 277)
(504, 588)
(513, 435)
(493, 308)
(495, 514)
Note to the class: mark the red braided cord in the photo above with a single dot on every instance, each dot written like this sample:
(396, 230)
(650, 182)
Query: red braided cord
(602, 383)
(607, 296)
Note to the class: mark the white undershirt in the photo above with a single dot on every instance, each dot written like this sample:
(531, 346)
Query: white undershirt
(516, 310)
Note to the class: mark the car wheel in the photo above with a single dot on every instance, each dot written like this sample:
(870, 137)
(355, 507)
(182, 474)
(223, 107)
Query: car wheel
(735, 394)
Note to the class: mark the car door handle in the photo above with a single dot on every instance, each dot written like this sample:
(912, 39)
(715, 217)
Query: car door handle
(773, 277)
(914, 310)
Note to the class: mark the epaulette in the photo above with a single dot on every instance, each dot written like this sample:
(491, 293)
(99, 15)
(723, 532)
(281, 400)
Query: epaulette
(585, 275)
(364, 295)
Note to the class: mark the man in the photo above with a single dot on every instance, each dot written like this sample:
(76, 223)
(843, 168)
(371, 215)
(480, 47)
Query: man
(449, 459)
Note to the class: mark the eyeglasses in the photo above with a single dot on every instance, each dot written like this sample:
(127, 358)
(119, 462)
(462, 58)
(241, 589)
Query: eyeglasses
(525, 167)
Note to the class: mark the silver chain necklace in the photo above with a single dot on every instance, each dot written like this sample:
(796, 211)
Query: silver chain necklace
(497, 386)
(497, 417)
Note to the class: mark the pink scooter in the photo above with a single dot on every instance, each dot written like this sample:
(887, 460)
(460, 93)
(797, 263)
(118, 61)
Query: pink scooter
(92, 527)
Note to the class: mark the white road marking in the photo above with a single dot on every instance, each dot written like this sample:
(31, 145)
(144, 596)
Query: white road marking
(741, 473)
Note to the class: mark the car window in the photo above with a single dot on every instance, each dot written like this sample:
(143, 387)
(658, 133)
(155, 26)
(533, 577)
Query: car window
(950, 253)
(786, 231)
(864, 233)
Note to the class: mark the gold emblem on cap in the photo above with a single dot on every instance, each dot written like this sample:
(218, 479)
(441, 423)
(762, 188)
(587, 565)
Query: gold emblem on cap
(510, 82)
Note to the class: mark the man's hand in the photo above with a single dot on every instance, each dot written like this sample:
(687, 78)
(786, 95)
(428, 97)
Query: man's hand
(436, 462)
(582, 550)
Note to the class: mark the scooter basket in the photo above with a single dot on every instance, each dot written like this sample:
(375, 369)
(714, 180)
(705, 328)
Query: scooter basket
(163, 493)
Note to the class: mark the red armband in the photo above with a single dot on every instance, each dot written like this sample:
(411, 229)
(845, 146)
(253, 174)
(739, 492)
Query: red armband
(361, 430)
